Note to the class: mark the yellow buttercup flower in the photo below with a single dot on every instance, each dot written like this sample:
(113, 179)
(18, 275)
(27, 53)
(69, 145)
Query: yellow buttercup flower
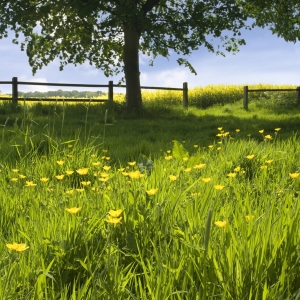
(80, 190)
(237, 130)
(15, 170)
(173, 177)
(220, 128)
(44, 179)
(294, 175)
(237, 169)
(277, 129)
(103, 179)
(268, 137)
(264, 167)
(96, 163)
(106, 168)
(250, 156)
(188, 170)
(104, 174)
(169, 157)
(14, 179)
(219, 187)
(85, 183)
(196, 146)
(168, 151)
(132, 163)
(113, 220)
(206, 180)
(221, 224)
(104, 150)
(152, 192)
(231, 175)
(185, 159)
(219, 148)
(82, 171)
(73, 210)
(115, 213)
(69, 192)
(93, 155)
(269, 161)
(199, 166)
(60, 177)
(30, 183)
(248, 218)
(22, 176)
(60, 162)
(261, 131)
(135, 175)
(69, 172)
(210, 146)
(17, 247)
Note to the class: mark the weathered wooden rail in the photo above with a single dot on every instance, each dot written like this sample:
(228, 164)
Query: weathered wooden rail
(15, 84)
(246, 91)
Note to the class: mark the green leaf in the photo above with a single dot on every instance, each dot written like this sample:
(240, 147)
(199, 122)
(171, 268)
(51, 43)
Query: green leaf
(179, 151)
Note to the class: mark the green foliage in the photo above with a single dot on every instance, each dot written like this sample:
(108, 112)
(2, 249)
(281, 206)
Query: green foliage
(282, 17)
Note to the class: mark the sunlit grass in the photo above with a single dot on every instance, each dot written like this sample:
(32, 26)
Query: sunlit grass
(165, 203)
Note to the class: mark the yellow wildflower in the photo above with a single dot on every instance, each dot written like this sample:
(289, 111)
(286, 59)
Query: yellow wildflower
(115, 213)
(188, 170)
(60, 177)
(219, 187)
(250, 156)
(248, 218)
(69, 172)
(96, 163)
(237, 130)
(44, 179)
(60, 162)
(85, 183)
(261, 131)
(221, 224)
(294, 175)
(22, 176)
(220, 128)
(268, 137)
(17, 247)
(113, 220)
(69, 192)
(231, 175)
(269, 161)
(206, 180)
(80, 190)
(14, 179)
(152, 192)
(30, 183)
(277, 129)
(73, 210)
(106, 168)
(169, 157)
(132, 163)
(173, 177)
(200, 166)
(82, 171)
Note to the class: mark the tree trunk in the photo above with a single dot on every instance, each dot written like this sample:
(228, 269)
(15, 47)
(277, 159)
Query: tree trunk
(131, 68)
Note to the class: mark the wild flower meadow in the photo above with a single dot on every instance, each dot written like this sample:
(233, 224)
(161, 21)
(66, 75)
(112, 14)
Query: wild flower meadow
(168, 204)
(215, 222)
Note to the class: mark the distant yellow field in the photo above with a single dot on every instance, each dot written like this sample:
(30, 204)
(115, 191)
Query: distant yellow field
(201, 96)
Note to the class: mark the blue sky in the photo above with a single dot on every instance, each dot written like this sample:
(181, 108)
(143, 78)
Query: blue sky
(265, 59)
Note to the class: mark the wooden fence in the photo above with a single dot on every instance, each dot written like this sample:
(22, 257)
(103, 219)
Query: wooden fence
(15, 83)
(246, 91)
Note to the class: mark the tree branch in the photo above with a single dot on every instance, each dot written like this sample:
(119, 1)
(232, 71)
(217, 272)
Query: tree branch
(149, 5)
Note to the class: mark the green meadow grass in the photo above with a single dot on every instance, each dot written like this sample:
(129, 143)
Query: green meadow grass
(205, 202)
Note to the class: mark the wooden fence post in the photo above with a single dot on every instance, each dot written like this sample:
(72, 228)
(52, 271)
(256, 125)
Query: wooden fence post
(15, 90)
(110, 92)
(298, 94)
(246, 97)
(185, 95)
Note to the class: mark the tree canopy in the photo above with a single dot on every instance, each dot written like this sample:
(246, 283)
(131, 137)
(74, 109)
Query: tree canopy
(281, 16)
(111, 34)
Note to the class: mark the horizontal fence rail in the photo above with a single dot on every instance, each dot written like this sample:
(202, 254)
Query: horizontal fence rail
(15, 98)
(246, 91)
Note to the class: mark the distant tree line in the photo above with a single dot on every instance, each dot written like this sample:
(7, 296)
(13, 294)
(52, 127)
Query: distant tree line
(61, 93)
